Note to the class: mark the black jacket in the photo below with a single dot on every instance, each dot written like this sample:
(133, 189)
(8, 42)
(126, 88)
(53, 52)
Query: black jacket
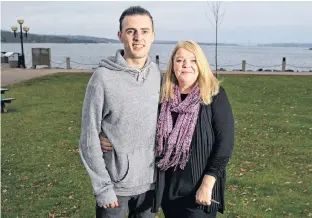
(210, 151)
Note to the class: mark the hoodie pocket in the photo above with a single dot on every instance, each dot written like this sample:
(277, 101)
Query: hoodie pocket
(117, 165)
(141, 169)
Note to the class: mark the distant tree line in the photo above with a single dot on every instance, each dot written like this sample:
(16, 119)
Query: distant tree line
(8, 37)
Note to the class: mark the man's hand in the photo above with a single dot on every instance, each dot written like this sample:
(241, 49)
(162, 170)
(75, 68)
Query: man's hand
(203, 194)
(111, 205)
(105, 144)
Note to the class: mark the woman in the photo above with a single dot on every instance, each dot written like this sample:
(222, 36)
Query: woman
(195, 137)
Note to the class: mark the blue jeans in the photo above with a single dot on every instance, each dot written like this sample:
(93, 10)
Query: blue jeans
(138, 206)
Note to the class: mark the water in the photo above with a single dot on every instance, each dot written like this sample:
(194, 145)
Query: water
(87, 56)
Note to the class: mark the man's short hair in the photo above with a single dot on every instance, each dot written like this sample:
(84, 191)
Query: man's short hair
(134, 10)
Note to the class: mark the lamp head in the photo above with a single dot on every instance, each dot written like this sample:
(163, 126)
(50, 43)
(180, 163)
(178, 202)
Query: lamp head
(20, 21)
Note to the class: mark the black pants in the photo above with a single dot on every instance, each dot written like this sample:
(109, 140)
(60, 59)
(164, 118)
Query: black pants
(184, 208)
(139, 206)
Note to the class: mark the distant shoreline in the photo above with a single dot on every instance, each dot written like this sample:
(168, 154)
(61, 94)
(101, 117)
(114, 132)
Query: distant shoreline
(282, 45)
(7, 37)
(157, 43)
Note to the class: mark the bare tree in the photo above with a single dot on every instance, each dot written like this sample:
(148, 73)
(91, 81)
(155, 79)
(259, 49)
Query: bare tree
(215, 7)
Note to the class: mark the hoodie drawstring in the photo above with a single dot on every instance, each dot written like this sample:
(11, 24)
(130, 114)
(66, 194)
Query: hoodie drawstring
(141, 76)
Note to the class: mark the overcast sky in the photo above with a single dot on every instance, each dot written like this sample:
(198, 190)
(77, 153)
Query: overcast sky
(243, 22)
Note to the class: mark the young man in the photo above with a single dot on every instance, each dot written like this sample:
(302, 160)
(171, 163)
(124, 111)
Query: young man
(121, 103)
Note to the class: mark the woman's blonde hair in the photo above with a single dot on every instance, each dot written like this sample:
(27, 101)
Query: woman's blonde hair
(208, 83)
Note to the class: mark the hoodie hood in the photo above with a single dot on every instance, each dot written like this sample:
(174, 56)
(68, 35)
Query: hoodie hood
(118, 63)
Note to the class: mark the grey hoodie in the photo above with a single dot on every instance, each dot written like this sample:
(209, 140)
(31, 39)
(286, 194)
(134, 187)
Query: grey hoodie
(121, 103)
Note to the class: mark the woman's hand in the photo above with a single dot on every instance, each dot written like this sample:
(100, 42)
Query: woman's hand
(203, 194)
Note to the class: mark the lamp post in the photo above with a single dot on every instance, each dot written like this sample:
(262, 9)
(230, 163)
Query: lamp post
(26, 29)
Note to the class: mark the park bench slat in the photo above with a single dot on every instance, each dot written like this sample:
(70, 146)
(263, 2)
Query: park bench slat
(7, 100)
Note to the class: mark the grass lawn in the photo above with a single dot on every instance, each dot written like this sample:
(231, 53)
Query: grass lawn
(269, 175)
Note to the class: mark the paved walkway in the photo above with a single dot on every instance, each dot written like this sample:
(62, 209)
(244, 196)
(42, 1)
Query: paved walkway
(15, 75)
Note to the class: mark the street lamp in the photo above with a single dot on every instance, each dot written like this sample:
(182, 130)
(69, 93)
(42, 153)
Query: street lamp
(26, 29)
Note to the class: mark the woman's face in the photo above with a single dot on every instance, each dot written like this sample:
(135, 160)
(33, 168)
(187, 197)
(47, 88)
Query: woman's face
(185, 67)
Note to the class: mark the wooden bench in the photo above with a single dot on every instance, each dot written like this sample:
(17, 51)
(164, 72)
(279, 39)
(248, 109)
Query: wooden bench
(3, 90)
(5, 100)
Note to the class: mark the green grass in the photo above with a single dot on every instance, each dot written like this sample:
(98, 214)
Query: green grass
(269, 174)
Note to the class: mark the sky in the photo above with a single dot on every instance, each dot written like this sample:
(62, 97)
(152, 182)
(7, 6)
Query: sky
(243, 22)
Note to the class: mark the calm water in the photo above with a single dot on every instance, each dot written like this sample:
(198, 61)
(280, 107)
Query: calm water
(229, 57)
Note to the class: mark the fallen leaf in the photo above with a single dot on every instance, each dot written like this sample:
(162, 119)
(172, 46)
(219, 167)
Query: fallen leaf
(243, 169)
(232, 187)
(304, 191)
(25, 177)
(268, 209)
(229, 203)
(18, 196)
(51, 215)
(249, 163)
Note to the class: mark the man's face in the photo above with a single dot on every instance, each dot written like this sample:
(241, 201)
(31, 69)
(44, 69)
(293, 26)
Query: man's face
(137, 35)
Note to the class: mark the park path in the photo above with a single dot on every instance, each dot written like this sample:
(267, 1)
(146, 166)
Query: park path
(15, 75)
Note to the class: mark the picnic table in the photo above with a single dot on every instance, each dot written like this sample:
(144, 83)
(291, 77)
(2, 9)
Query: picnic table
(3, 90)
(5, 100)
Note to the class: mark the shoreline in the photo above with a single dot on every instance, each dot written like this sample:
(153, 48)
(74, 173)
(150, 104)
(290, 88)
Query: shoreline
(11, 76)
